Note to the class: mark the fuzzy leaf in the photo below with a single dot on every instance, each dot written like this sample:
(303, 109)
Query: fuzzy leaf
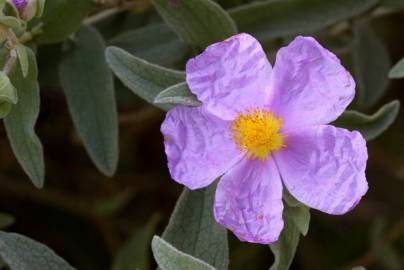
(155, 43)
(145, 79)
(20, 122)
(10, 21)
(397, 72)
(197, 22)
(373, 125)
(8, 93)
(372, 65)
(272, 19)
(61, 18)
(89, 88)
(21, 253)
(170, 258)
(23, 58)
(298, 213)
(191, 221)
(178, 94)
(297, 219)
(5, 108)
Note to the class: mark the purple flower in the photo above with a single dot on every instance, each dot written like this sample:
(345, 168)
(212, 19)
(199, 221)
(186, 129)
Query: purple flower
(260, 126)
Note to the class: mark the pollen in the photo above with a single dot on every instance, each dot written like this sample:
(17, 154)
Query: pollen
(258, 133)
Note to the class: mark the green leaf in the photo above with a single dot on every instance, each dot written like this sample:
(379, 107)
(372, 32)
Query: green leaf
(8, 93)
(40, 7)
(193, 229)
(6, 220)
(23, 58)
(155, 43)
(373, 125)
(297, 219)
(5, 108)
(397, 71)
(177, 94)
(10, 21)
(197, 22)
(89, 88)
(170, 258)
(135, 253)
(273, 19)
(372, 65)
(22, 253)
(20, 123)
(298, 213)
(145, 79)
(61, 18)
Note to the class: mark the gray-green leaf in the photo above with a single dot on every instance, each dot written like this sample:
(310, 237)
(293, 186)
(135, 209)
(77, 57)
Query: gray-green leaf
(20, 123)
(272, 19)
(23, 58)
(10, 21)
(22, 253)
(372, 65)
(197, 22)
(297, 219)
(298, 213)
(155, 43)
(170, 258)
(193, 229)
(373, 125)
(8, 93)
(145, 79)
(61, 18)
(89, 88)
(178, 94)
(397, 71)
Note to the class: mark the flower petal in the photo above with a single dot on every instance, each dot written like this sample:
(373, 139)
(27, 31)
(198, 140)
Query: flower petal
(324, 167)
(198, 146)
(310, 85)
(249, 201)
(230, 76)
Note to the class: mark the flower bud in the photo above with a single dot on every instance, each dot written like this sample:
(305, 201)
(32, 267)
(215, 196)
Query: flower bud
(26, 8)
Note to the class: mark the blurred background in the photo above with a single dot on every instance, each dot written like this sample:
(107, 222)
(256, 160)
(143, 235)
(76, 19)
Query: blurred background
(90, 219)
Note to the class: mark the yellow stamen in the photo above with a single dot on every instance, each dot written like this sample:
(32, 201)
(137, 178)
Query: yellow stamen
(258, 132)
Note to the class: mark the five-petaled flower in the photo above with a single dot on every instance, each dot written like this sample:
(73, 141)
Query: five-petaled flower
(258, 125)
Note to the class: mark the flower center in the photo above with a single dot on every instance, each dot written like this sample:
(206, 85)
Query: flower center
(257, 131)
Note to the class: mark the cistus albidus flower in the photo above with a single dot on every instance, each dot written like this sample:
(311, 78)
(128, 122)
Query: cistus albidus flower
(260, 126)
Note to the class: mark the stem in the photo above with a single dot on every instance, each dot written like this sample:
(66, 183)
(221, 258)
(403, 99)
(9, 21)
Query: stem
(114, 7)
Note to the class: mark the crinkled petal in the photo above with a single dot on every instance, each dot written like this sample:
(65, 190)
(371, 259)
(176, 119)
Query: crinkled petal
(324, 167)
(230, 76)
(310, 86)
(198, 146)
(249, 201)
